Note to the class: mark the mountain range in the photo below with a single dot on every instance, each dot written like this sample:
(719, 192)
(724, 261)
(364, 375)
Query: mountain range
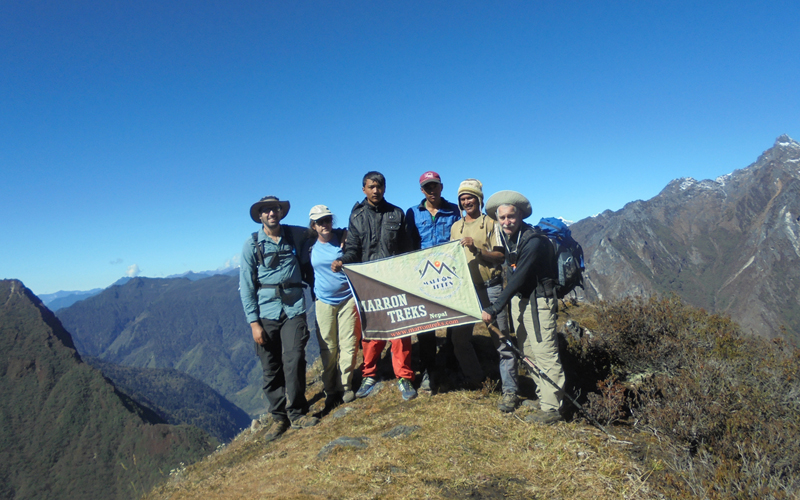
(66, 431)
(63, 298)
(197, 327)
(729, 245)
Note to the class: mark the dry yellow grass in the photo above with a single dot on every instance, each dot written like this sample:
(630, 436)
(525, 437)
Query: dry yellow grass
(464, 448)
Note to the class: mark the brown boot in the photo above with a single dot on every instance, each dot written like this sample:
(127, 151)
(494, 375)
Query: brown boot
(276, 430)
(544, 417)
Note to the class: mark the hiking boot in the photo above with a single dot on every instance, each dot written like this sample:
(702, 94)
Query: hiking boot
(427, 384)
(304, 421)
(348, 397)
(544, 417)
(276, 430)
(508, 403)
(406, 389)
(366, 387)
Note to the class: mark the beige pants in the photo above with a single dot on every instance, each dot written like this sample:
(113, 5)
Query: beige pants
(338, 331)
(545, 353)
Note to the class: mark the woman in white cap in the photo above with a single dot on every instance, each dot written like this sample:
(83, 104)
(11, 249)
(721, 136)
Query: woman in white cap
(338, 326)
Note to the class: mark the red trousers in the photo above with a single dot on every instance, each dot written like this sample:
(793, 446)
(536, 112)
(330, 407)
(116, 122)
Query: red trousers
(401, 357)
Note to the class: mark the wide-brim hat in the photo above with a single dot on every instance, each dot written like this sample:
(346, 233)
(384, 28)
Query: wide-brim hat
(255, 210)
(508, 198)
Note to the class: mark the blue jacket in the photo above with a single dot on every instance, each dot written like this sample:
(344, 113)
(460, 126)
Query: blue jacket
(426, 231)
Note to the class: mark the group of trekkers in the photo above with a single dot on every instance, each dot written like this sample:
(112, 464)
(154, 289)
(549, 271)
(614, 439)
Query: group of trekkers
(278, 259)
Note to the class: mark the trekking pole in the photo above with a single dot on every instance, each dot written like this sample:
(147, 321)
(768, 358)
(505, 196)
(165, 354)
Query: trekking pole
(535, 370)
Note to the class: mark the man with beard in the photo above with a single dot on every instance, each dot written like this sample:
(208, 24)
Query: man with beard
(271, 288)
(530, 290)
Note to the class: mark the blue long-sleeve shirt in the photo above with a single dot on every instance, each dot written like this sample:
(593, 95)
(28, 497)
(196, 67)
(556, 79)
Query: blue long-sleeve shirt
(268, 301)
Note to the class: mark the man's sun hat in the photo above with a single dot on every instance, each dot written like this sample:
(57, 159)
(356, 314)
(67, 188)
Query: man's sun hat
(255, 210)
(470, 186)
(508, 198)
(429, 177)
(319, 211)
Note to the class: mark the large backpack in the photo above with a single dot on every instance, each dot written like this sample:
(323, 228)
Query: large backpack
(568, 255)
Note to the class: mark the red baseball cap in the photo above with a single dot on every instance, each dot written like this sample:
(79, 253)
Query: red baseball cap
(428, 177)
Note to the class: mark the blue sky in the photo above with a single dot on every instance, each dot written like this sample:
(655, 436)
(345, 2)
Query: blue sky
(136, 135)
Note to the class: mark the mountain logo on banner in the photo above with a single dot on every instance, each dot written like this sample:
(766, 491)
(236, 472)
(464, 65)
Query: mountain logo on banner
(437, 279)
(414, 292)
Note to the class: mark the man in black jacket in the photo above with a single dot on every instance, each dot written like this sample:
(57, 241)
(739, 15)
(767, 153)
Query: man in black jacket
(378, 230)
(530, 263)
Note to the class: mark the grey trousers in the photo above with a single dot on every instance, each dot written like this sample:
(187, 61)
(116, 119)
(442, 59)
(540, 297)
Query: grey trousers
(465, 353)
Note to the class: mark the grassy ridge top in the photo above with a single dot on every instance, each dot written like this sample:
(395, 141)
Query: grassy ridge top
(464, 447)
(706, 412)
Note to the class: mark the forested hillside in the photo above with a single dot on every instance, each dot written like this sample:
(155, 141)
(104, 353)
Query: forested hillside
(66, 431)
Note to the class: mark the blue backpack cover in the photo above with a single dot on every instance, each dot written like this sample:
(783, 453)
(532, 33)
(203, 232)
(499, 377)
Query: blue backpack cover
(568, 255)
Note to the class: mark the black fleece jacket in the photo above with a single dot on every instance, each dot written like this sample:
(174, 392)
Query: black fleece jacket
(529, 267)
(375, 232)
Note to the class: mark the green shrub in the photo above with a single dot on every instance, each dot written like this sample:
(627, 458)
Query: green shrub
(724, 406)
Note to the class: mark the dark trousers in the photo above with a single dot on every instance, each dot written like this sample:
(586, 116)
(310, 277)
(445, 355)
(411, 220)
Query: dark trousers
(427, 349)
(283, 360)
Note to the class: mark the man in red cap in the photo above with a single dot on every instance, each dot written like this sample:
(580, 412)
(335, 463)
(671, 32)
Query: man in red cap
(429, 225)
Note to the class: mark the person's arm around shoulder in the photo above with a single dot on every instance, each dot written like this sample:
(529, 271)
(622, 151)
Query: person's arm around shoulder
(495, 253)
(412, 240)
(352, 247)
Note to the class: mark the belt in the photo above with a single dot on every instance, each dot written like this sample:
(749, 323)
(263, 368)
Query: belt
(497, 280)
(281, 286)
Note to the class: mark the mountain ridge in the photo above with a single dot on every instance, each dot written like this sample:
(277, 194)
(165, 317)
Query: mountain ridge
(728, 245)
(197, 327)
(67, 431)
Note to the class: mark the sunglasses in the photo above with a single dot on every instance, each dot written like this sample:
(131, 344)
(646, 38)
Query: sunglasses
(324, 220)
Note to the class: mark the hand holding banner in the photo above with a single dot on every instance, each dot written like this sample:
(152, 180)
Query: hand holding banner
(414, 292)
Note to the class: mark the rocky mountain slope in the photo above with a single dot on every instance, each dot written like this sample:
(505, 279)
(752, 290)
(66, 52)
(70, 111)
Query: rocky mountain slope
(66, 431)
(729, 245)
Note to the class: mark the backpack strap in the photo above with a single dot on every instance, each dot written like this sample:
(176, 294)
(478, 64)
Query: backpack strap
(258, 252)
(259, 255)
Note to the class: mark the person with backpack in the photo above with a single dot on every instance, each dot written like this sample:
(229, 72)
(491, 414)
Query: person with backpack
(378, 230)
(479, 235)
(271, 289)
(429, 225)
(338, 327)
(531, 291)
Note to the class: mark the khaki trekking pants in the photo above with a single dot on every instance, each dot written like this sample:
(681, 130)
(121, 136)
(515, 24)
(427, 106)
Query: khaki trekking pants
(544, 353)
(338, 331)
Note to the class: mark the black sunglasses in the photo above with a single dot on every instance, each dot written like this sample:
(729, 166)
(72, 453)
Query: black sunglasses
(324, 220)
